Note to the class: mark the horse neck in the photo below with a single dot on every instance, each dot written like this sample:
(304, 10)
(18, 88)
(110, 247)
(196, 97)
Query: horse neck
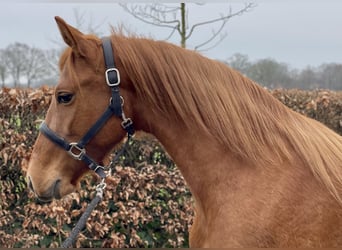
(201, 159)
(216, 176)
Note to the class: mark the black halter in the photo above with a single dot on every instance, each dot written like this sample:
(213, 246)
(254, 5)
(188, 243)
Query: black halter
(77, 149)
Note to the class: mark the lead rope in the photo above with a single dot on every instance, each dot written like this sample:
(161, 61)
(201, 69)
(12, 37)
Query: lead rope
(82, 221)
(98, 197)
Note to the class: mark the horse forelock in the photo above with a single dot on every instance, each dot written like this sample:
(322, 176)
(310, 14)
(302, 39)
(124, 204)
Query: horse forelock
(66, 62)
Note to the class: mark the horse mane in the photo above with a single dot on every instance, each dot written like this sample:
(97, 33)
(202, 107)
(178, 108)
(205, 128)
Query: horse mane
(241, 115)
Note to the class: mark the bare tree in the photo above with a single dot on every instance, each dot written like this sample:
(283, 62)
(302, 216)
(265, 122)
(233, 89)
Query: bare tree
(331, 75)
(3, 68)
(308, 78)
(52, 59)
(270, 73)
(22, 62)
(240, 62)
(175, 18)
(15, 57)
(86, 23)
(36, 65)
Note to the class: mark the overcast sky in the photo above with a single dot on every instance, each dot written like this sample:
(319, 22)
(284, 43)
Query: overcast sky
(297, 32)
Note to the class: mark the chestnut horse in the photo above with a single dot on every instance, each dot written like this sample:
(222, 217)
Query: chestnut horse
(261, 175)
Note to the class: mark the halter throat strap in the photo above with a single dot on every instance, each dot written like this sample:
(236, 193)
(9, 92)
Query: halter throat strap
(77, 149)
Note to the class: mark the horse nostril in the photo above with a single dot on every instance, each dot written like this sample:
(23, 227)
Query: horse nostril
(56, 190)
(30, 183)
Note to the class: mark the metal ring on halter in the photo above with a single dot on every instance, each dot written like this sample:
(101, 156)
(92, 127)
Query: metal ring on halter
(102, 185)
(122, 100)
(97, 167)
(77, 155)
(100, 188)
(114, 84)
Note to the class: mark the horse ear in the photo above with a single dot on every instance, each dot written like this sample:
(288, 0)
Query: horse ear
(72, 37)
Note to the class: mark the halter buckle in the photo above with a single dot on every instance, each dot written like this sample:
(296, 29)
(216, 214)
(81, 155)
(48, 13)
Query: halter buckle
(126, 123)
(76, 151)
(108, 79)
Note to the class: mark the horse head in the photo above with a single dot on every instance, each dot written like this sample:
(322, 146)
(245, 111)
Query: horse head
(81, 95)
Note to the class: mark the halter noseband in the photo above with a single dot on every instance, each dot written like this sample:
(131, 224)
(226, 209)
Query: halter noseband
(77, 149)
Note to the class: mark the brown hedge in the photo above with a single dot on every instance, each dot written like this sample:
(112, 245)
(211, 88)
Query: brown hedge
(322, 105)
(146, 203)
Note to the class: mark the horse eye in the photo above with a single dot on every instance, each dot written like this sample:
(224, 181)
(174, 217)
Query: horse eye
(64, 98)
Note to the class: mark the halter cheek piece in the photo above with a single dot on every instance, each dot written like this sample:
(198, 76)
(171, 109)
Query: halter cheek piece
(77, 149)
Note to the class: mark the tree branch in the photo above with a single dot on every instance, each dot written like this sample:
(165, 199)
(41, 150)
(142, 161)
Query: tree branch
(159, 15)
(214, 35)
(171, 33)
(168, 9)
(226, 17)
(154, 20)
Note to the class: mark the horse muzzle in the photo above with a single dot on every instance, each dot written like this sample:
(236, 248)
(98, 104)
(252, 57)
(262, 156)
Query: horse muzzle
(52, 192)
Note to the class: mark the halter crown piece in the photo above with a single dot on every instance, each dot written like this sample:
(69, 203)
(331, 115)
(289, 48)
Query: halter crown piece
(77, 149)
